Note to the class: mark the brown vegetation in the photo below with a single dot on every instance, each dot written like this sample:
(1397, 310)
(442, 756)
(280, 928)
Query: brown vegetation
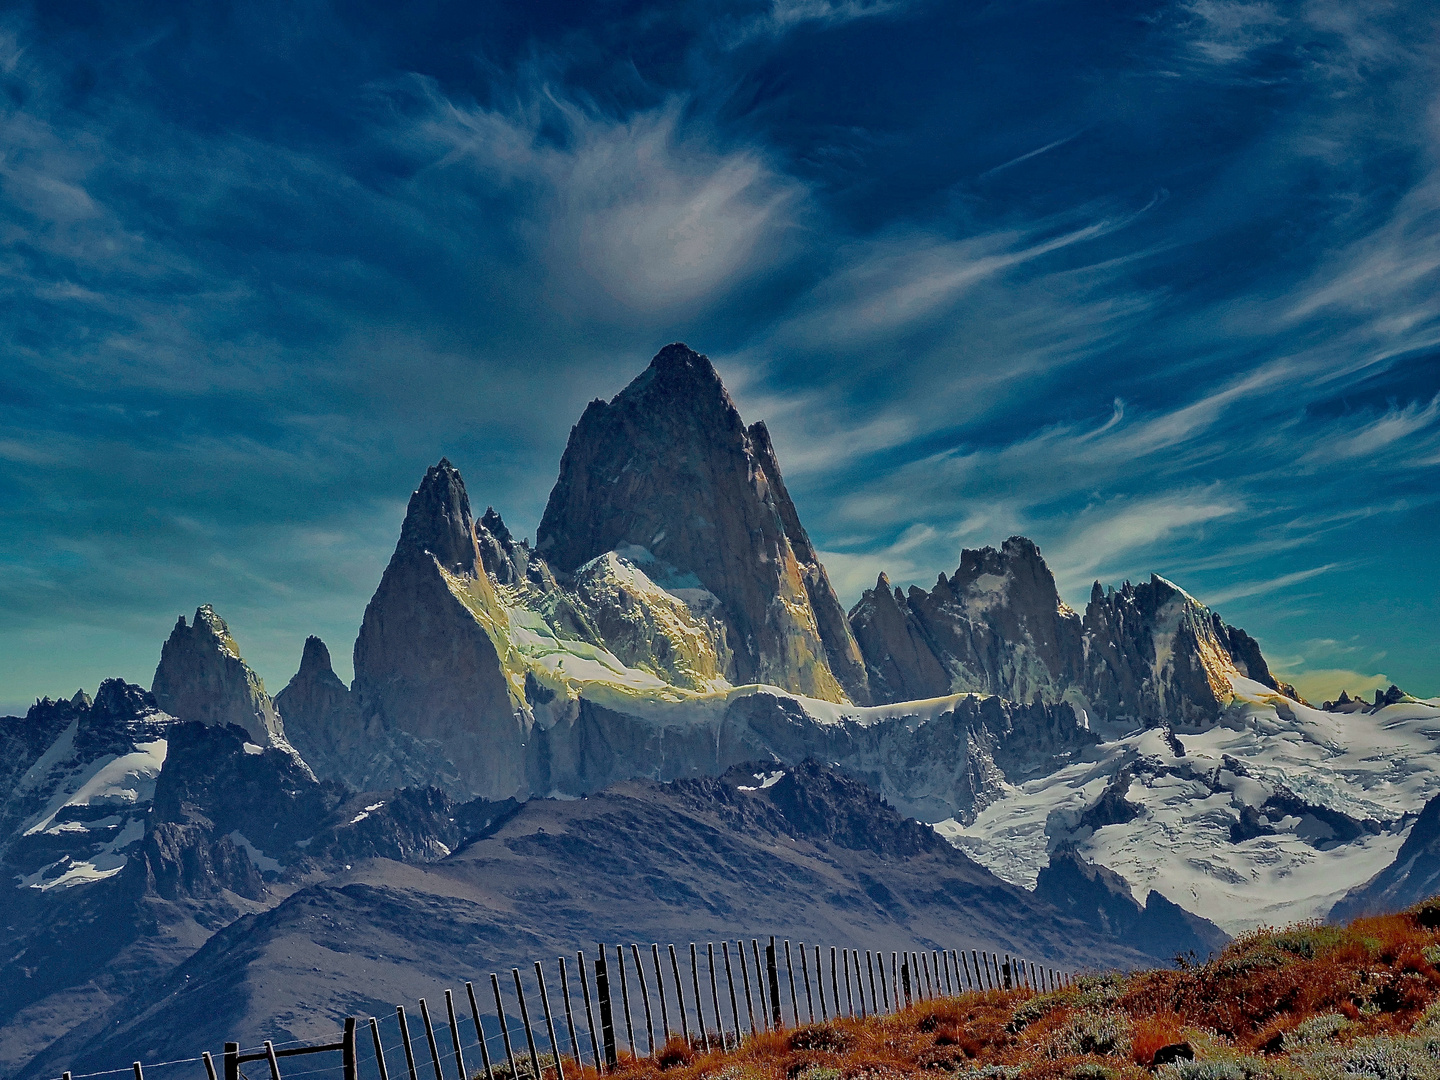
(1348, 1002)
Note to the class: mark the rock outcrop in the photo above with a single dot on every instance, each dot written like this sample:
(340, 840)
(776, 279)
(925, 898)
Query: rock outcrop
(319, 712)
(1102, 899)
(1154, 652)
(1413, 876)
(667, 474)
(997, 626)
(434, 698)
(202, 677)
(1150, 653)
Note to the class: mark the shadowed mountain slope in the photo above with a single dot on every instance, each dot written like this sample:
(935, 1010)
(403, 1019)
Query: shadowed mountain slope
(809, 855)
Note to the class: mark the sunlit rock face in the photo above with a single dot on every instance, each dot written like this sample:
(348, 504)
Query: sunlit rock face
(202, 677)
(1150, 653)
(668, 475)
(433, 696)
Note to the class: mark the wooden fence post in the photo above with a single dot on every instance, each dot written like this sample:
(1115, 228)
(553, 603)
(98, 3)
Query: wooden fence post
(805, 976)
(525, 1020)
(269, 1060)
(204, 1056)
(644, 996)
(884, 986)
(680, 996)
(589, 1013)
(379, 1050)
(790, 973)
(405, 1040)
(760, 984)
(745, 978)
(625, 999)
(232, 1066)
(772, 982)
(925, 970)
(504, 1027)
(549, 1023)
(715, 992)
(859, 983)
(699, 1001)
(870, 967)
(569, 1015)
(430, 1039)
(895, 979)
(455, 1035)
(820, 982)
(607, 1012)
(140, 1072)
(660, 988)
(479, 1034)
(349, 1064)
(835, 982)
(730, 979)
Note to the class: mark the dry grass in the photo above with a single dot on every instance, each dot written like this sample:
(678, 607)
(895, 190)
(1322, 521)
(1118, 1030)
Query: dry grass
(1347, 1003)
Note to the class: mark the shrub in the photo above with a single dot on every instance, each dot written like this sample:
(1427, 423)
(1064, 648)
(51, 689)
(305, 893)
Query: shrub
(1089, 1032)
(825, 1037)
(1215, 1069)
(1154, 1032)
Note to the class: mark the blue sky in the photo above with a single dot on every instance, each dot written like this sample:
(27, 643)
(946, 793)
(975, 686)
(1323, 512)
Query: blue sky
(1156, 284)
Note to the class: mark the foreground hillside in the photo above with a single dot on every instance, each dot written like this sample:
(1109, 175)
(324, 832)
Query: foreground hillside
(1311, 1001)
(805, 852)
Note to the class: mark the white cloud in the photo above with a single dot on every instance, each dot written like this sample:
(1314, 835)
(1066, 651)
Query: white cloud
(1375, 436)
(643, 212)
(1227, 31)
(1106, 534)
(1243, 589)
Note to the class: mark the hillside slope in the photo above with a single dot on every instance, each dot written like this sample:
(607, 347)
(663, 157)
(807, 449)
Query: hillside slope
(814, 856)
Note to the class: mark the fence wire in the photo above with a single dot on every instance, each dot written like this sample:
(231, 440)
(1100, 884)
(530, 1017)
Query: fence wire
(881, 987)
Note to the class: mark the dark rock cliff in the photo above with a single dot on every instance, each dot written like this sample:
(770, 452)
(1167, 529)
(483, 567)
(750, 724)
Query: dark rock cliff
(667, 468)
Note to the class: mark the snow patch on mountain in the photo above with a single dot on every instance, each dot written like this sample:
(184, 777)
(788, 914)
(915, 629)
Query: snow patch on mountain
(1268, 816)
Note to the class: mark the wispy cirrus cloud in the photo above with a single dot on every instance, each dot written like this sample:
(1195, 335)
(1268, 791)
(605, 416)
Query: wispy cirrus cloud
(243, 313)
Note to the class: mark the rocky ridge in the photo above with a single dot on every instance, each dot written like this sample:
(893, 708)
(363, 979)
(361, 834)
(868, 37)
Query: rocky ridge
(1102, 899)
(1149, 653)
(481, 671)
(202, 677)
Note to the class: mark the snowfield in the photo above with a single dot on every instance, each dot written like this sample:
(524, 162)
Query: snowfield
(1188, 791)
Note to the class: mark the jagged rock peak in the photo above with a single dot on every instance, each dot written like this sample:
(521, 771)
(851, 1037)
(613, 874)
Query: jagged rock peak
(438, 520)
(201, 676)
(495, 525)
(667, 472)
(679, 372)
(314, 659)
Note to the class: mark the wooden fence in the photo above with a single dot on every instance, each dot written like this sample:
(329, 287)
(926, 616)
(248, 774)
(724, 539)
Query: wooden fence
(876, 987)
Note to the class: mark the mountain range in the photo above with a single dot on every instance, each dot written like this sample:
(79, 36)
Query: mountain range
(657, 722)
